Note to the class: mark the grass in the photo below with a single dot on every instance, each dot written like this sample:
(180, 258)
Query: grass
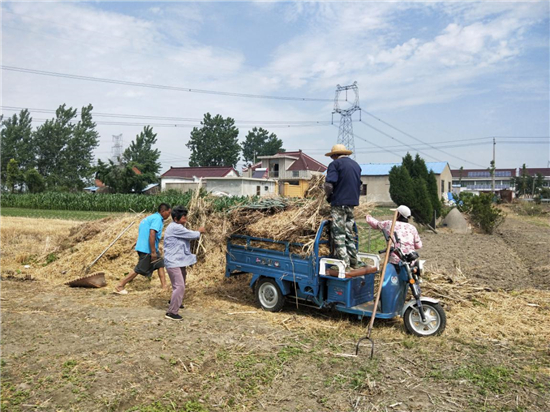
(370, 240)
(55, 214)
(158, 406)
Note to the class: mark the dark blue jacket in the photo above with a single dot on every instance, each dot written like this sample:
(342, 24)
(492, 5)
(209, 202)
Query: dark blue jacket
(345, 175)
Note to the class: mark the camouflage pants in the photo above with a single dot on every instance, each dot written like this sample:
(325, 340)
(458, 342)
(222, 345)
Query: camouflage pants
(343, 236)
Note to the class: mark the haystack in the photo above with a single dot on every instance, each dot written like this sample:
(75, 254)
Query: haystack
(283, 219)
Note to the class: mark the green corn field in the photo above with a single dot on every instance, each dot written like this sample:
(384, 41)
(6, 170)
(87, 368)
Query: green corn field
(106, 202)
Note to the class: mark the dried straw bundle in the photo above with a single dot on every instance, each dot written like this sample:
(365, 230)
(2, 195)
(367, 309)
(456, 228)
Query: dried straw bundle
(293, 220)
(87, 241)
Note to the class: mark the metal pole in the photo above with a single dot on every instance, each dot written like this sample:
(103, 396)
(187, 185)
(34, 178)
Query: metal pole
(494, 167)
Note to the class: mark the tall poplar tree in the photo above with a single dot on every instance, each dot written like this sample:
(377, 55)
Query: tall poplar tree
(259, 142)
(64, 149)
(16, 142)
(215, 143)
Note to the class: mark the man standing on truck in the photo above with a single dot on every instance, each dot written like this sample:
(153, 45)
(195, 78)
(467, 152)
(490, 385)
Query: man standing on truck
(342, 188)
(147, 247)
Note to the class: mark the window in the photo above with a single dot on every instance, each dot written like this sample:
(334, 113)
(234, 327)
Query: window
(363, 190)
(450, 187)
(295, 173)
(258, 190)
(266, 188)
(442, 185)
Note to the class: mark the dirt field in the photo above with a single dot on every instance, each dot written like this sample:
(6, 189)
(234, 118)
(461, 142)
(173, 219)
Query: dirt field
(74, 349)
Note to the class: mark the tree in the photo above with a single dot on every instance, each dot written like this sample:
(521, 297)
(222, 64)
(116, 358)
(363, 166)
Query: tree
(433, 192)
(258, 142)
(419, 168)
(401, 186)
(122, 177)
(16, 142)
(491, 169)
(215, 143)
(64, 150)
(408, 163)
(14, 177)
(411, 184)
(523, 183)
(141, 154)
(421, 206)
(34, 181)
(79, 155)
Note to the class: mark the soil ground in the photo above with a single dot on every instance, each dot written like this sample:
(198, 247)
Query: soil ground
(74, 349)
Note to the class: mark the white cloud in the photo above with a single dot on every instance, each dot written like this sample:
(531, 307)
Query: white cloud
(404, 56)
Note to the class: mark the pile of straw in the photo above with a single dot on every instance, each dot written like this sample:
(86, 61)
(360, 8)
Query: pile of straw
(283, 219)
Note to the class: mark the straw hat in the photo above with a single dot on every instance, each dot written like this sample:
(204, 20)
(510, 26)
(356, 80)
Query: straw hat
(339, 149)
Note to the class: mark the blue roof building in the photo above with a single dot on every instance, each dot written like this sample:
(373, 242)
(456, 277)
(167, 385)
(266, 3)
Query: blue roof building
(376, 183)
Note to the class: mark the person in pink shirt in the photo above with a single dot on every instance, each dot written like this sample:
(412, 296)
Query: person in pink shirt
(409, 240)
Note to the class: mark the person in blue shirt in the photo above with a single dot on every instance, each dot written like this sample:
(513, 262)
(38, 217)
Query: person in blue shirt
(178, 256)
(147, 247)
(342, 188)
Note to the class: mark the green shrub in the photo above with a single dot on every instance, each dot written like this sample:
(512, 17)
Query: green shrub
(484, 214)
(528, 209)
(464, 201)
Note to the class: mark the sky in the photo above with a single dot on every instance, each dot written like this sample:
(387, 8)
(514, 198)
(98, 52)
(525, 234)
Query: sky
(441, 79)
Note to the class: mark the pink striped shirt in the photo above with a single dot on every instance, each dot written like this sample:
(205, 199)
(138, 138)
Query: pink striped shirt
(409, 240)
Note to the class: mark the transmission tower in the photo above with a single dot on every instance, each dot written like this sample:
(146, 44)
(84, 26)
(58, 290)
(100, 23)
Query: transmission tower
(116, 150)
(345, 132)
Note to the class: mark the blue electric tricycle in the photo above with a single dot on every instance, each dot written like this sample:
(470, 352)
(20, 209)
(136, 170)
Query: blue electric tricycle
(279, 271)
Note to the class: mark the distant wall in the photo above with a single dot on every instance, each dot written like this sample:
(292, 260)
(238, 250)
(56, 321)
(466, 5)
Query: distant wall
(378, 190)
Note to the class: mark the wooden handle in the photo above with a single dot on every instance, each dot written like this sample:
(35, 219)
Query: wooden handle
(382, 273)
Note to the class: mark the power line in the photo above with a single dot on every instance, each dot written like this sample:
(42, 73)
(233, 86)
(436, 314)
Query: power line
(394, 138)
(158, 86)
(180, 119)
(418, 140)
(176, 125)
(374, 144)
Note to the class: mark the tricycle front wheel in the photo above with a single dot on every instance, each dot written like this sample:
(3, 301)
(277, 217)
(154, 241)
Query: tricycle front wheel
(435, 320)
(269, 296)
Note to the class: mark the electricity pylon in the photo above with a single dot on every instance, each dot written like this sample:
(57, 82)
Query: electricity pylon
(345, 132)
(116, 149)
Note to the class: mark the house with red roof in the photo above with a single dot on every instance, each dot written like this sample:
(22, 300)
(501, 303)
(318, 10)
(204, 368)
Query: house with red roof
(292, 170)
(220, 180)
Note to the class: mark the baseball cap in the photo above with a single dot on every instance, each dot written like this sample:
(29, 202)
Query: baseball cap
(403, 211)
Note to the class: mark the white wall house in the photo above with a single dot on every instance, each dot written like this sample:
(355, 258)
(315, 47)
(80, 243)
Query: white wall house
(240, 186)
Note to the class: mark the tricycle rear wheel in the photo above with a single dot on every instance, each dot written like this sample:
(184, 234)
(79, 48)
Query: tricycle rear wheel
(435, 320)
(268, 295)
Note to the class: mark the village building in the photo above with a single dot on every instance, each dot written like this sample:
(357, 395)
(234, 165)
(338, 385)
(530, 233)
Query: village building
(376, 181)
(292, 170)
(480, 180)
(219, 180)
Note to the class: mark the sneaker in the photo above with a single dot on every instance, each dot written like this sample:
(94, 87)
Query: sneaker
(181, 306)
(172, 316)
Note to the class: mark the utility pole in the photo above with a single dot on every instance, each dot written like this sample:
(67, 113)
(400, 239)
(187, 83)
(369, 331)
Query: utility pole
(493, 167)
(345, 132)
